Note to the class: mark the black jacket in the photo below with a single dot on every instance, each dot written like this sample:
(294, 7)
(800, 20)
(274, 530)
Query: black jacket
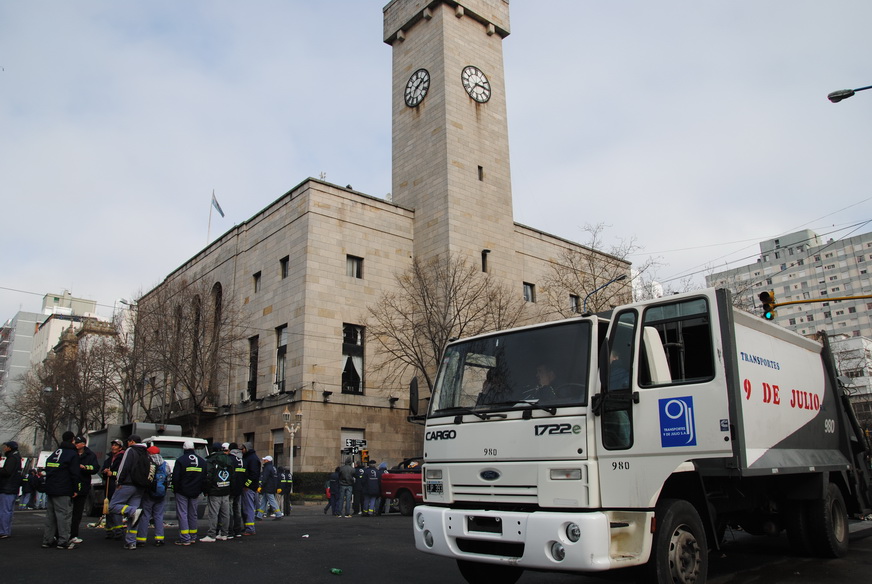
(269, 479)
(371, 482)
(237, 481)
(189, 474)
(62, 474)
(252, 469)
(88, 466)
(220, 469)
(10, 474)
(112, 463)
(131, 457)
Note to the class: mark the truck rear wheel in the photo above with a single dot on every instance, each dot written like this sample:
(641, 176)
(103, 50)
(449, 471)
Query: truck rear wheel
(406, 503)
(680, 551)
(828, 523)
(798, 533)
(475, 573)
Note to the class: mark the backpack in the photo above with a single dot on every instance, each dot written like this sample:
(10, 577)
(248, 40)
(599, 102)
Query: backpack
(159, 488)
(144, 469)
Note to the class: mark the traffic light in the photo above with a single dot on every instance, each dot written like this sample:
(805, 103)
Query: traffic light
(768, 301)
(364, 456)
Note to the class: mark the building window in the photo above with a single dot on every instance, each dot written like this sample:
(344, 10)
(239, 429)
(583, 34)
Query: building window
(852, 310)
(792, 321)
(529, 292)
(484, 254)
(480, 173)
(810, 318)
(354, 266)
(574, 303)
(256, 280)
(283, 266)
(281, 356)
(252, 367)
(352, 358)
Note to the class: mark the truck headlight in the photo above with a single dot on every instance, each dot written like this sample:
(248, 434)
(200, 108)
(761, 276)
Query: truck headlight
(419, 520)
(434, 474)
(428, 538)
(558, 552)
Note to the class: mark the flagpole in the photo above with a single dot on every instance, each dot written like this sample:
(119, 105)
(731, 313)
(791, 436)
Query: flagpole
(209, 229)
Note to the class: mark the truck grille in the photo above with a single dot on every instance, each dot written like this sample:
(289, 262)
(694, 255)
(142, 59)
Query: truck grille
(497, 493)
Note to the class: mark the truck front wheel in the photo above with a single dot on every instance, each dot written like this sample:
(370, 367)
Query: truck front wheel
(475, 573)
(680, 551)
(828, 523)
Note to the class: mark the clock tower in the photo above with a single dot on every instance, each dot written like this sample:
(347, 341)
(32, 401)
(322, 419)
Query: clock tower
(450, 137)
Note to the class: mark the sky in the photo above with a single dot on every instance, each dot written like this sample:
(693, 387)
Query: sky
(694, 129)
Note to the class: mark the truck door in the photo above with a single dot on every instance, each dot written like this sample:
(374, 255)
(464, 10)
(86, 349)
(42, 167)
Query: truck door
(663, 398)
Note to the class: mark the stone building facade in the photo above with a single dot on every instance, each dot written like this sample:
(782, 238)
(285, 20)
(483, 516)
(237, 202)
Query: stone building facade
(306, 267)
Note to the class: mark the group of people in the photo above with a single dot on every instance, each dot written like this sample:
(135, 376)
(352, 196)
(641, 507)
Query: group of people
(355, 489)
(240, 488)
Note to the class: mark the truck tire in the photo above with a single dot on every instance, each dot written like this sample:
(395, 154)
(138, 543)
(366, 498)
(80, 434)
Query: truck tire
(680, 551)
(406, 503)
(798, 529)
(476, 573)
(828, 524)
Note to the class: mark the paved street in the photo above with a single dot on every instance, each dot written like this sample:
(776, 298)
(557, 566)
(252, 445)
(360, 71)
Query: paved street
(305, 546)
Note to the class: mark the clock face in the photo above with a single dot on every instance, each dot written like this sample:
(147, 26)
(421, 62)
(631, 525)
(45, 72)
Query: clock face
(416, 87)
(476, 84)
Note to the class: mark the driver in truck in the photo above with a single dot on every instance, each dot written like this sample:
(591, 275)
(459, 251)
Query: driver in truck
(547, 386)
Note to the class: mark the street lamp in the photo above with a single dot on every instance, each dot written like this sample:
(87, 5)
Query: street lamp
(612, 281)
(292, 431)
(837, 96)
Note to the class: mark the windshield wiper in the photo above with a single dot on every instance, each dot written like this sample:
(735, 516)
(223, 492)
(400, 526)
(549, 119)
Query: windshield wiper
(534, 405)
(459, 413)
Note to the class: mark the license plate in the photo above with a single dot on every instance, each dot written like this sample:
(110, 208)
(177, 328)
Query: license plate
(434, 488)
(484, 524)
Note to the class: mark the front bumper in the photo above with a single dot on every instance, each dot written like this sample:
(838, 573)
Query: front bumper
(527, 540)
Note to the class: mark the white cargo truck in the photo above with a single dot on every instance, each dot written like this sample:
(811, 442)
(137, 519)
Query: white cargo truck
(167, 437)
(637, 438)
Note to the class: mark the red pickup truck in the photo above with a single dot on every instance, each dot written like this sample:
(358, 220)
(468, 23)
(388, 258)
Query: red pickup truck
(402, 485)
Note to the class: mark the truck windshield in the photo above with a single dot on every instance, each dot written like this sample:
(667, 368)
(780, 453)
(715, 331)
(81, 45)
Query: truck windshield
(173, 450)
(546, 365)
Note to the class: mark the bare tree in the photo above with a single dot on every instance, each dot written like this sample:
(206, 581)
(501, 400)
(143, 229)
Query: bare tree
(67, 390)
(41, 404)
(743, 291)
(99, 379)
(436, 300)
(580, 273)
(187, 339)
